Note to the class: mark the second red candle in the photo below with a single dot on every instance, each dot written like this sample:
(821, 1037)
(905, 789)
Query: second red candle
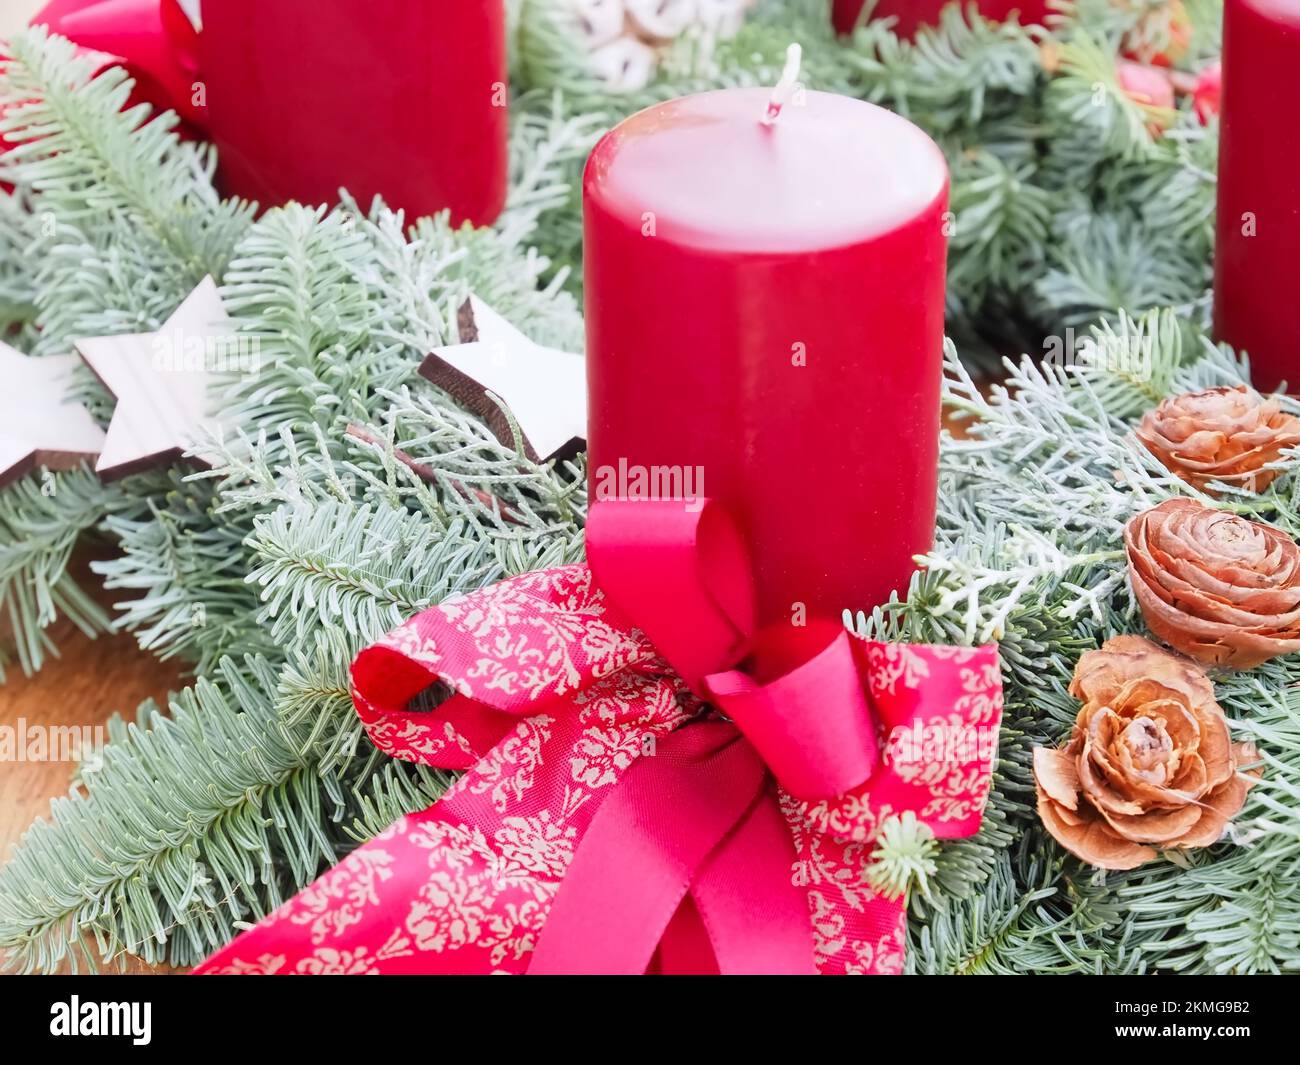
(404, 99)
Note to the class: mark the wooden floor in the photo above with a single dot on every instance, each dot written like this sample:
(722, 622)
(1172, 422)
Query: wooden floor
(93, 679)
(89, 682)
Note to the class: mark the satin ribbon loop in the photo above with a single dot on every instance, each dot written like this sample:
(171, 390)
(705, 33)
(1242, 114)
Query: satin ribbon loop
(687, 864)
(458, 728)
(643, 850)
(154, 39)
(679, 571)
(813, 725)
(484, 661)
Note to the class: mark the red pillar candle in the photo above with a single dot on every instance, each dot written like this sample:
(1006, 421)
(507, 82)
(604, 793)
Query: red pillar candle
(914, 13)
(1255, 304)
(765, 327)
(400, 98)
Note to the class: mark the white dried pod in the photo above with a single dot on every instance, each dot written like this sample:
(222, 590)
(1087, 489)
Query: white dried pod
(625, 64)
(192, 11)
(599, 21)
(661, 20)
(722, 17)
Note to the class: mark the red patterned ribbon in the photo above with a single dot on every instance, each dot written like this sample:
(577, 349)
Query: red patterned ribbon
(609, 820)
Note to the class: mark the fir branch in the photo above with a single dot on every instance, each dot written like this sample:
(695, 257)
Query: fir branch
(956, 73)
(188, 567)
(133, 209)
(1006, 929)
(1088, 97)
(41, 521)
(1001, 224)
(362, 570)
(19, 229)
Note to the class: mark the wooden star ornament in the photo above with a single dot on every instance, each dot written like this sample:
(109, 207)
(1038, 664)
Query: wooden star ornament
(161, 382)
(545, 389)
(39, 424)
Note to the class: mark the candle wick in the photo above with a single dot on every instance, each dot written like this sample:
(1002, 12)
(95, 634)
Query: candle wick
(786, 87)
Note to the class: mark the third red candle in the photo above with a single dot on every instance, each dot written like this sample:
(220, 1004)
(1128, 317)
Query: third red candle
(1255, 304)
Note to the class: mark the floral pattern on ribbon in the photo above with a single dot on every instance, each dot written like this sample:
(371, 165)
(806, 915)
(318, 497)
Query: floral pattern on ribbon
(572, 702)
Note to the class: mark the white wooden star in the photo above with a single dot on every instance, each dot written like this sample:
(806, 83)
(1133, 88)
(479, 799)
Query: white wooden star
(39, 424)
(161, 382)
(545, 389)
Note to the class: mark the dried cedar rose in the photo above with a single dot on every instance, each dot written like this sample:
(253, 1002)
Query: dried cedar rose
(1149, 765)
(1221, 434)
(1218, 587)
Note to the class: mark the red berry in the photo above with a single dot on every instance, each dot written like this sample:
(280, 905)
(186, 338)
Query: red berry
(1205, 97)
(1146, 85)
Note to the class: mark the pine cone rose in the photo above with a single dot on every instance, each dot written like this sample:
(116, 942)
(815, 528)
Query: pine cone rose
(1221, 434)
(1149, 765)
(1218, 587)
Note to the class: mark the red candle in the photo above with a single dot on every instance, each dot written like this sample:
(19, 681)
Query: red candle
(914, 13)
(1255, 304)
(765, 327)
(400, 98)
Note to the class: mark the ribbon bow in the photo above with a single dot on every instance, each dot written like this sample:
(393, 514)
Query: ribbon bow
(154, 39)
(650, 785)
